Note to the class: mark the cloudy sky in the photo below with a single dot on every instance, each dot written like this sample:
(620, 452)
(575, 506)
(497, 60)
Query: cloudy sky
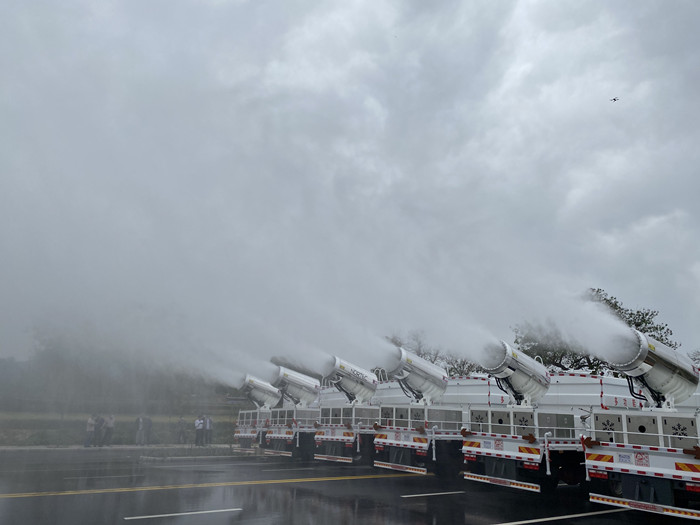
(220, 181)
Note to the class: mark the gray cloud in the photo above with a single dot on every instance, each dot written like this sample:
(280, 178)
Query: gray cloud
(234, 179)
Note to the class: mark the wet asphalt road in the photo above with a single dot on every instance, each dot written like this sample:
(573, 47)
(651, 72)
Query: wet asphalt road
(105, 487)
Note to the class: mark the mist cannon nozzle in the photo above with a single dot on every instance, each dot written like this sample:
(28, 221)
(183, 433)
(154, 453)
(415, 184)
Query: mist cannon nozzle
(419, 378)
(297, 387)
(262, 393)
(664, 375)
(358, 384)
(519, 375)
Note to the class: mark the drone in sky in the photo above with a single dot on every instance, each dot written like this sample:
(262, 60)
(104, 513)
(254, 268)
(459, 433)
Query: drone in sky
(614, 99)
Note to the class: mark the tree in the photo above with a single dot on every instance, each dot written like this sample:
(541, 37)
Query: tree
(547, 342)
(66, 377)
(415, 342)
(643, 319)
(459, 366)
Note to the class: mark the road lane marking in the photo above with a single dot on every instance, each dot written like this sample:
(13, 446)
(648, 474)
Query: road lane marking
(288, 469)
(185, 464)
(569, 516)
(431, 494)
(44, 469)
(180, 514)
(105, 477)
(201, 485)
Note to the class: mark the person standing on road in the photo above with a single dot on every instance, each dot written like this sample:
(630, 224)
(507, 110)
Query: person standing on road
(181, 431)
(147, 426)
(99, 430)
(90, 431)
(109, 430)
(199, 431)
(208, 430)
(140, 428)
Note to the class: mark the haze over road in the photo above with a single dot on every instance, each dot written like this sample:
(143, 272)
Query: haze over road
(67, 487)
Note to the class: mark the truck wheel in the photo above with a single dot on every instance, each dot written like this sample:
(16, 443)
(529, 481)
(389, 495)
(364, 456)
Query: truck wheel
(615, 487)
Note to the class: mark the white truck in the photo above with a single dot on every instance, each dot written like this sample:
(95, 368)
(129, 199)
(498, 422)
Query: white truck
(281, 431)
(630, 439)
(334, 422)
(646, 456)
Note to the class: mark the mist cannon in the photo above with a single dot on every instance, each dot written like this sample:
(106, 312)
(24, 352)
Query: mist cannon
(520, 376)
(420, 379)
(663, 374)
(298, 388)
(262, 393)
(358, 384)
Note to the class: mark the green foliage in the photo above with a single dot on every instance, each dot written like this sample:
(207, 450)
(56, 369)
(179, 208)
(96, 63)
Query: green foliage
(61, 381)
(643, 319)
(42, 429)
(547, 342)
(68, 375)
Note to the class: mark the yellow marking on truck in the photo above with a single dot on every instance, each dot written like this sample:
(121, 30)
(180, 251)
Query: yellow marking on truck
(559, 518)
(605, 458)
(405, 468)
(199, 486)
(678, 512)
(688, 467)
(339, 459)
(503, 482)
(641, 505)
(528, 450)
